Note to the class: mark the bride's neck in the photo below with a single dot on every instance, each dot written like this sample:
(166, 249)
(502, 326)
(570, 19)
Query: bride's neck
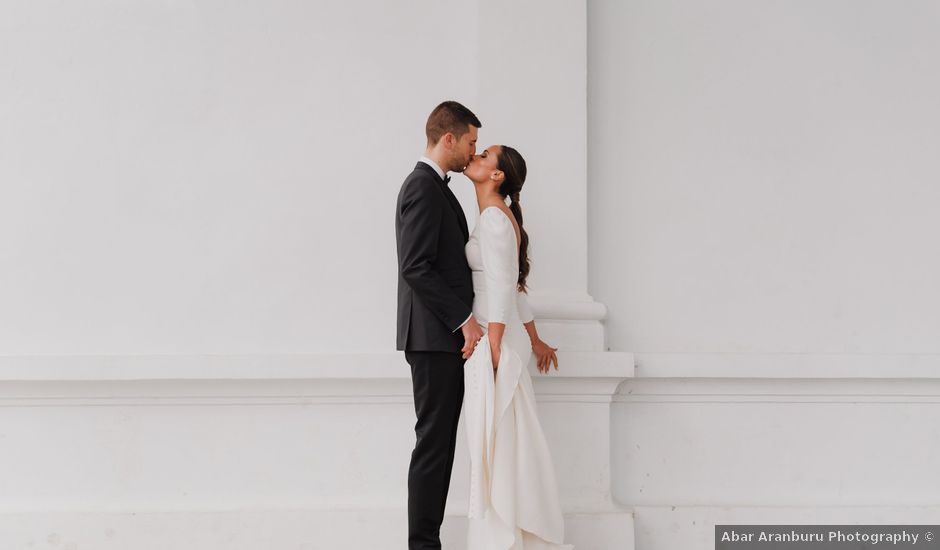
(487, 197)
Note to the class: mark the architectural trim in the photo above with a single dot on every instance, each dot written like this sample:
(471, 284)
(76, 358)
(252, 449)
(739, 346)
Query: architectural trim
(788, 365)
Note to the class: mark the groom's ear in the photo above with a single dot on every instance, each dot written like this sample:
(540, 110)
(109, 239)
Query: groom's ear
(448, 139)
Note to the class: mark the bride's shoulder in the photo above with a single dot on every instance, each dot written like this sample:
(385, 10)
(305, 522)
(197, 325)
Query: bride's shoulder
(494, 214)
(495, 222)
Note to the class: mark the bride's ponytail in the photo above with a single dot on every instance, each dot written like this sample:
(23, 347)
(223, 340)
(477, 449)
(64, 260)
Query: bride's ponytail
(511, 163)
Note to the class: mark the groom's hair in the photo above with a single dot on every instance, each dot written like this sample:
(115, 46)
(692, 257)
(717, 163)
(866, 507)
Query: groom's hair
(452, 117)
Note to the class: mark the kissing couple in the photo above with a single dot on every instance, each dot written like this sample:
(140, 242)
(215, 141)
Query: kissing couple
(468, 333)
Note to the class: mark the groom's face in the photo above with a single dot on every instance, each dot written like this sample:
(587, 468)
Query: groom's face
(464, 149)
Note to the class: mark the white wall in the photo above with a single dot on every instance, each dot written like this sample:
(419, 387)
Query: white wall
(185, 177)
(220, 178)
(762, 197)
(197, 296)
(763, 176)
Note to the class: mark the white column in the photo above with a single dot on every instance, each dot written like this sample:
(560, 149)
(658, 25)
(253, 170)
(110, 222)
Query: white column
(533, 96)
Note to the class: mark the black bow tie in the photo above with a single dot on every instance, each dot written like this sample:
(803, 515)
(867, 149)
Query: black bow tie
(446, 180)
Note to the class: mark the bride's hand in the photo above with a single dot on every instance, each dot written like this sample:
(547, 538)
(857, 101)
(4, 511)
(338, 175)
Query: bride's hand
(496, 354)
(544, 355)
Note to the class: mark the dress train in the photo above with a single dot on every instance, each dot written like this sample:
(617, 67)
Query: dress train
(514, 502)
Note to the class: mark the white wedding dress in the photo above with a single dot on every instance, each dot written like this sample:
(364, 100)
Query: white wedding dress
(514, 501)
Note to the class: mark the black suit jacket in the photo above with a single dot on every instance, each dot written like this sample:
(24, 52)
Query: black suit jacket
(435, 289)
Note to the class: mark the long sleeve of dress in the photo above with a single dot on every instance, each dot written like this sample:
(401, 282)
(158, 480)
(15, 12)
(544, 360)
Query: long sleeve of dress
(525, 312)
(500, 263)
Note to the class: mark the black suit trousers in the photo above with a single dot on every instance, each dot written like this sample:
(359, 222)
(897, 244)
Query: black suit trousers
(438, 381)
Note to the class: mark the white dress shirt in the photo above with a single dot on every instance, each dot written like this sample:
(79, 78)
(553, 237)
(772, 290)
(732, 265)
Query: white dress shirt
(432, 164)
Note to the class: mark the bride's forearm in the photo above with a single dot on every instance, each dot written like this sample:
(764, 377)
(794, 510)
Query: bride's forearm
(530, 328)
(496, 331)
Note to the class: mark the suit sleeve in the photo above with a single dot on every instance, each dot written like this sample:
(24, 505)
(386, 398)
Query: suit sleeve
(500, 263)
(420, 212)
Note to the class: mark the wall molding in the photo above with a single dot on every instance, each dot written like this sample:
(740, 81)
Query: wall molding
(288, 366)
(765, 390)
(566, 306)
(788, 365)
(259, 380)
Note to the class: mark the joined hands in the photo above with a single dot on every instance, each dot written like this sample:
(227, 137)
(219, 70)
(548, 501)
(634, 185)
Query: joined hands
(471, 335)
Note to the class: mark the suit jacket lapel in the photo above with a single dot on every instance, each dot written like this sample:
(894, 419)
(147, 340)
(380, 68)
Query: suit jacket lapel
(451, 198)
(455, 204)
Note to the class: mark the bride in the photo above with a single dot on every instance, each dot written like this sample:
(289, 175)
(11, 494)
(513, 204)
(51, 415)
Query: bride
(514, 501)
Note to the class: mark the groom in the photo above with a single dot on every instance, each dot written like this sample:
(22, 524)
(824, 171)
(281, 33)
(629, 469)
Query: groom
(436, 328)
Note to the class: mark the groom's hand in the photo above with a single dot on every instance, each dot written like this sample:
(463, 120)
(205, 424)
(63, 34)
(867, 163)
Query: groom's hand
(471, 335)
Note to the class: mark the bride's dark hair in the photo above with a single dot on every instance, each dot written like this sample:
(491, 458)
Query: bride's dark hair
(511, 163)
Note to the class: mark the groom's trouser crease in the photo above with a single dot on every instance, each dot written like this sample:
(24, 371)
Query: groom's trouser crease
(438, 383)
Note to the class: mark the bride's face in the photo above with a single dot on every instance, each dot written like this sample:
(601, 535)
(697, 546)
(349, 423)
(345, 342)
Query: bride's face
(483, 167)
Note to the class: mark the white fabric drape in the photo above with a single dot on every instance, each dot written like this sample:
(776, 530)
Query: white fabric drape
(513, 492)
(514, 502)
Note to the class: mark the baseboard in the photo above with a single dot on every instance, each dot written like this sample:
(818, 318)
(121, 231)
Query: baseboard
(304, 529)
